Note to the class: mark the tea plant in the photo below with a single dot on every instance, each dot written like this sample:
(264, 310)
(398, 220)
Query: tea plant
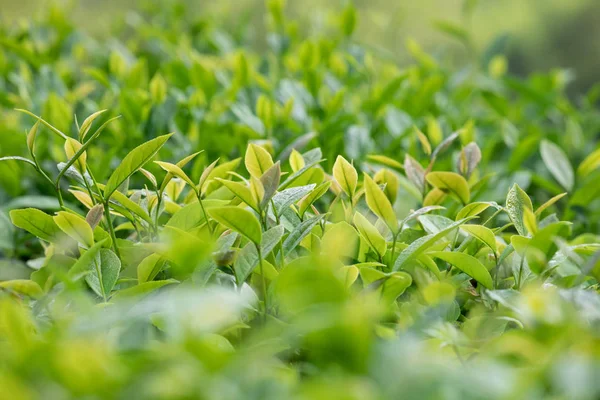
(291, 267)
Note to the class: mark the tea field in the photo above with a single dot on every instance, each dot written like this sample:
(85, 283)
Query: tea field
(185, 214)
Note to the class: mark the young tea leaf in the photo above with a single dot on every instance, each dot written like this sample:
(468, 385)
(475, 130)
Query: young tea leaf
(516, 201)
(558, 164)
(132, 162)
(467, 264)
(452, 183)
(76, 227)
(379, 203)
(345, 175)
(238, 220)
(37, 223)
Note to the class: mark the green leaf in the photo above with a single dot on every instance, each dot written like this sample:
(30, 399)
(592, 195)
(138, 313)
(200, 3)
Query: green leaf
(287, 197)
(475, 209)
(424, 141)
(300, 232)
(450, 182)
(132, 162)
(390, 286)
(241, 191)
(86, 263)
(558, 164)
(23, 286)
(149, 267)
(313, 196)
(142, 289)
(296, 175)
(549, 203)
(247, 259)
(370, 234)
(529, 221)
(191, 216)
(419, 246)
(483, 234)
(131, 206)
(75, 227)
(345, 175)
(467, 264)
(72, 146)
(217, 172)
(395, 285)
(379, 203)
(589, 164)
(87, 124)
(340, 239)
(37, 223)
(105, 272)
(516, 201)
(257, 160)
(384, 160)
(31, 137)
(238, 220)
(175, 171)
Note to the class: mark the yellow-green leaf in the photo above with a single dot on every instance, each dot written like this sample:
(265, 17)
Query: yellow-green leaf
(31, 136)
(132, 162)
(313, 196)
(384, 160)
(371, 235)
(529, 221)
(474, 209)
(481, 233)
(296, 160)
(72, 146)
(424, 141)
(37, 223)
(345, 175)
(87, 124)
(450, 182)
(76, 227)
(175, 171)
(589, 164)
(149, 267)
(238, 220)
(467, 264)
(516, 201)
(23, 286)
(379, 203)
(242, 191)
(549, 203)
(257, 160)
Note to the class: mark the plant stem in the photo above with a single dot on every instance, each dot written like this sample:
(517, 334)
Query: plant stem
(198, 195)
(395, 236)
(264, 282)
(110, 228)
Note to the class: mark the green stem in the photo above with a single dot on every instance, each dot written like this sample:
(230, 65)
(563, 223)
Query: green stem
(395, 239)
(264, 282)
(198, 195)
(278, 220)
(497, 271)
(111, 229)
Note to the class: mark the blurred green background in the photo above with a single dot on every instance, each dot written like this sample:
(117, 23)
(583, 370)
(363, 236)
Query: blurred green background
(537, 35)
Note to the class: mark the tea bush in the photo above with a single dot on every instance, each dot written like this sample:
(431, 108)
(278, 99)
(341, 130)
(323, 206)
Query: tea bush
(321, 223)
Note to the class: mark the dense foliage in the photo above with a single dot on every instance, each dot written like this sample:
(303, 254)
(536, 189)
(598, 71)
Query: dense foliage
(320, 223)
